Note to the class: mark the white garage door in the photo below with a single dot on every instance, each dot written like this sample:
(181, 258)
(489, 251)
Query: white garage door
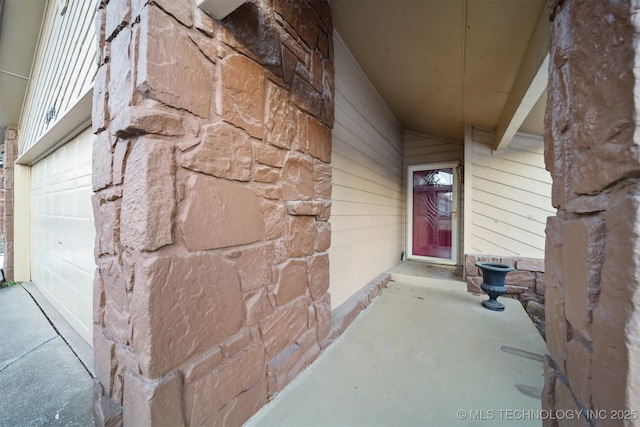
(62, 231)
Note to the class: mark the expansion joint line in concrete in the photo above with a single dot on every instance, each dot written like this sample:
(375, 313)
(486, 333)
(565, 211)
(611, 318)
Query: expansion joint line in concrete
(58, 332)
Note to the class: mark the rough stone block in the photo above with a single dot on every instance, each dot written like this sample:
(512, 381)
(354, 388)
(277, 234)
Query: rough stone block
(257, 306)
(616, 318)
(203, 365)
(549, 388)
(104, 360)
(120, 85)
(297, 176)
(292, 281)
(236, 343)
(473, 284)
(254, 267)
(470, 268)
(224, 151)
(316, 70)
(555, 325)
(582, 257)
(149, 403)
(311, 321)
(181, 10)
(319, 140)
(530, 264)
(275, 219)
(107, 226)
(173, 297)
(268, 155)
(242, 95)
(119, 160)
(540, 286)
(118, 16)
(116, 310)
(289, 64)
(106, 411)
(319, 275)
(327, 105)
(302, 17)
(323, 316)
(305, 96)
(514, 289)
(528, 296)
(267, 191)
(148, 198)
(281, 118)
(208, 395)
(284, 326)
(253, 31)
(579, 370)
(520, 278)
(301, 236)
(98, 299)
(266, 174)
(217, 213)
(311, 208)
(243, 407)
(139, 120)
(99, 23)
(163, 51)
(323, 236)
(564, 400)
(100, 104)
(204, 22)
(289, 364)
(603, 116)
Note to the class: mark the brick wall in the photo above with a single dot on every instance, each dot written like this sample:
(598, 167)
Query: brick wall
(212, 183)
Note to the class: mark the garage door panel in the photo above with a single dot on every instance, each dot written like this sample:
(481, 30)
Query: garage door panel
(63, 231)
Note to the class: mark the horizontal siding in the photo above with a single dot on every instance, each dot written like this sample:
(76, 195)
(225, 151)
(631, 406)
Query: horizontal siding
(510, 198)
(420, 149)
(366, 215)
(63, 70)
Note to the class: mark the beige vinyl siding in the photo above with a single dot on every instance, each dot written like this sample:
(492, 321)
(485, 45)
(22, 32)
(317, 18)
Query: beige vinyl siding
(510, 198)
(64, 68)
(421, 149)
(366, 215)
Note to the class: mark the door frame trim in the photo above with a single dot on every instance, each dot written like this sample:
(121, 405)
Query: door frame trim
(455, 222)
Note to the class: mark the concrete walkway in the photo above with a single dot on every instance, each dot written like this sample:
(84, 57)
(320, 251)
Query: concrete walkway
(425, 353)
(42, 380)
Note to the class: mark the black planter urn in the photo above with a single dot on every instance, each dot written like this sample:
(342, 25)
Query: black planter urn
(493, 274)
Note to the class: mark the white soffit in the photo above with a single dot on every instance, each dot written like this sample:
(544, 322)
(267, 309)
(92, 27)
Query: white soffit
(529, 85)
(219, 8)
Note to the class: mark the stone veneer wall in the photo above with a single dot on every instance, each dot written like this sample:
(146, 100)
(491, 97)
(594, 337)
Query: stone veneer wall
(212, 183)
(10, 155)
(593, 242)
(526, 283)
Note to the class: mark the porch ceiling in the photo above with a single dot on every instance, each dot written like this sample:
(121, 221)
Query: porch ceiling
(441, 64)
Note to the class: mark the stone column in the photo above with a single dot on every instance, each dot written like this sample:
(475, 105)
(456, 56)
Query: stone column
(593, 246)
(212, 181)
(10, 155)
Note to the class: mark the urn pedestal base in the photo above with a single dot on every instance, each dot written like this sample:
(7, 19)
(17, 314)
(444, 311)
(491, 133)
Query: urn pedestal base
(493, 274)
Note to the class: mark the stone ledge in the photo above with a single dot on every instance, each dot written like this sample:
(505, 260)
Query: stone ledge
(525, 284)
(346, 313)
